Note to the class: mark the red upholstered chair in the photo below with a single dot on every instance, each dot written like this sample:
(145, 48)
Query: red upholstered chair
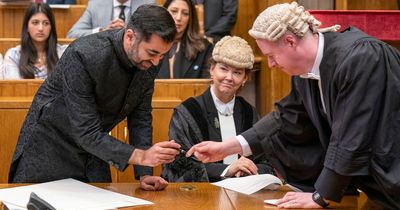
(382, 24)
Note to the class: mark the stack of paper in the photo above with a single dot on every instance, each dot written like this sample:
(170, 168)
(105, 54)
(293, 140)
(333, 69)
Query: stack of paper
(69, 194)
(250, 184)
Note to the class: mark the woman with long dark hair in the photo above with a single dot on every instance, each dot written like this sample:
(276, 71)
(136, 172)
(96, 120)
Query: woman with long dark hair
(39, 52)
(190, 53)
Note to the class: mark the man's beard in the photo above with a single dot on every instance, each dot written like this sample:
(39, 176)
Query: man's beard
(133, 55)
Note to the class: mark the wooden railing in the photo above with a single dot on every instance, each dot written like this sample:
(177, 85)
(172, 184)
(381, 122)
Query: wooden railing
(16, 97)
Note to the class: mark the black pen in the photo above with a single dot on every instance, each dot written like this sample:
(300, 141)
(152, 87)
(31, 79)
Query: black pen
(183, 152)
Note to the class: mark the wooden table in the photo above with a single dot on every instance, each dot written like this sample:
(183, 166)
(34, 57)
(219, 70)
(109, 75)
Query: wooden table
(206, 196)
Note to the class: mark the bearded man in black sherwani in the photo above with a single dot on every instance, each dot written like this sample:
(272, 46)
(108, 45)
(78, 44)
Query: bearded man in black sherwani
(100, 80)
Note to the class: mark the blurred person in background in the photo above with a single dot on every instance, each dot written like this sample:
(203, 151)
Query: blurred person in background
(190, 52)
(101, 15)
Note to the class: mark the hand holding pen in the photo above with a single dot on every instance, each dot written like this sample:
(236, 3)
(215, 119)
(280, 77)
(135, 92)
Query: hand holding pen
(192, 157)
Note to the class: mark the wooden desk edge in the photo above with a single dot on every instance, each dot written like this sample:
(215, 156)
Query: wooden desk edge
(15, 102)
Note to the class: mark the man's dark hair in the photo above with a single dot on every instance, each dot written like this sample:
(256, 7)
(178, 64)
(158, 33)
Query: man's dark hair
(151, 19)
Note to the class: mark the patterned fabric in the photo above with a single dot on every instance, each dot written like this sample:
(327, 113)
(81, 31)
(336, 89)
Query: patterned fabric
(11, 60)
(66, 132)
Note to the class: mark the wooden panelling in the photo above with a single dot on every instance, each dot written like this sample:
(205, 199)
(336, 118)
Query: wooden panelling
(366, 5)
(160, 2)
(19, 88)
(11, 18)
(16, 97)
(7, 43)
(82, 2)
(10, 123)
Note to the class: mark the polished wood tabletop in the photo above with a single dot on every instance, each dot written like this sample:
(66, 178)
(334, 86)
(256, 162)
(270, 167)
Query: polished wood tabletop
(206, 196)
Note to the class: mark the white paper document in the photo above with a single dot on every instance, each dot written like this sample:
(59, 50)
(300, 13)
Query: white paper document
(69, 194)
(60, 6)
(271, 201)
(250, 184)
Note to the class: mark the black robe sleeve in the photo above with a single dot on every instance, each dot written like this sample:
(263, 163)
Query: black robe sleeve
(288, 138)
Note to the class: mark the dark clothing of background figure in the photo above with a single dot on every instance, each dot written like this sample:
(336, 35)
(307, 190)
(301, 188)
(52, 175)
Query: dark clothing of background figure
(66, 132)
(61, 2)
(357, 139)
(219, 18)
(186, 131)
(185, 68)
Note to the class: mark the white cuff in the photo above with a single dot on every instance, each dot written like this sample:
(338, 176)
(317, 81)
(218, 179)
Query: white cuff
(95, 30)
(225, 171)
(245, 146)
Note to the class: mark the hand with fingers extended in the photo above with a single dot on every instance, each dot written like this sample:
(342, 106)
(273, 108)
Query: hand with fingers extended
(152, 183)
(159, 153)
(242, 167)
(212, 151)
(297, 200)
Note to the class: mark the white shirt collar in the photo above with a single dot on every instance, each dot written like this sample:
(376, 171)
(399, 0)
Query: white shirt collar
(222, 108)
(116, 3)
(315, 72)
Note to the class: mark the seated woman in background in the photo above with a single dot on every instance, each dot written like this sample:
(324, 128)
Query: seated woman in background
(189, 55)
(39, 52)
(217, 114)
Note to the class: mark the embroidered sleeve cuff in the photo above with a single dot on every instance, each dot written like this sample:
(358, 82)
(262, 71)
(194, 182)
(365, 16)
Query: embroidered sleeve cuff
(245, 146)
